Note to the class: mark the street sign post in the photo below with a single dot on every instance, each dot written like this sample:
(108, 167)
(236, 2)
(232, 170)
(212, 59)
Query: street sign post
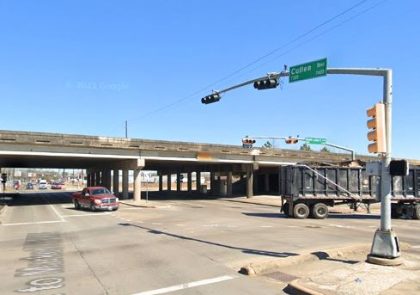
(309, 70)
(314, 140)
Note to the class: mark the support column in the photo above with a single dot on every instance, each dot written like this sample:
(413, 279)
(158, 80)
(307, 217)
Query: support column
(137, 184)
(125, 183)
(189, 176)
(88, 177)
(178, 181)
(116, 181)
(229, 184)
(169, 180)
(250, 182)
(198, 181)
(267, 182)
(106, 178)
(160, 182)
(212, 182)
(98, 180)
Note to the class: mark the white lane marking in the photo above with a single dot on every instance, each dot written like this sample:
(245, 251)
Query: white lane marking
(416, 247)
(57, 213)
(35, 222)
(186, 286)
(83, 215)
(266, 226)
(341, 226)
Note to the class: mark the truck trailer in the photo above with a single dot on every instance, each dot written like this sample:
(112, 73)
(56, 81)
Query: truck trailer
(309, 191)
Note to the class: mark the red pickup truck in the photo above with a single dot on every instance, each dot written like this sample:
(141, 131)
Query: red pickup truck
(95, 198)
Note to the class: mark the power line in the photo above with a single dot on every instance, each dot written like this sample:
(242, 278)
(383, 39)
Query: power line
(296, 39)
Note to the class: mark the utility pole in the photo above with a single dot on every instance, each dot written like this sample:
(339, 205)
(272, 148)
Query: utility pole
(126, 129)
(385, 247)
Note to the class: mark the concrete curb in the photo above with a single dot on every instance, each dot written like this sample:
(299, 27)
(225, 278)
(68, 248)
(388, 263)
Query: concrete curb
(295, 288)
(271, 266)
(138, 205)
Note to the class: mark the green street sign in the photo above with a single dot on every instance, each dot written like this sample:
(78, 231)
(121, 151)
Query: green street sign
(309, 70)
(314, 140)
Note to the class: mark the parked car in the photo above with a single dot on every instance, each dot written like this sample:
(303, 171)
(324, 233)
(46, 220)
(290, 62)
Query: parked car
(42, 184)
(56, 185)
(95, 198)
(29, 185)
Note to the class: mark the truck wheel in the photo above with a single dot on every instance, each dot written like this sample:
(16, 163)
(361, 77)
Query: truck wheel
(416, 213)
(92, 207)
(320, 211)
(285, 208)
(301, 211)
(76, 205)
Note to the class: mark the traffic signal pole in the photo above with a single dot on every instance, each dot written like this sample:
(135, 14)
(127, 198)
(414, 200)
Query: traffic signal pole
(385, 247)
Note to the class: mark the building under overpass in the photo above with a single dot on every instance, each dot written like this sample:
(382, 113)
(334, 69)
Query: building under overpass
(108, 159)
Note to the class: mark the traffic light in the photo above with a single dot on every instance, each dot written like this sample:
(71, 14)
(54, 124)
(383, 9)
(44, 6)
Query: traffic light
(377, 126)
(3, 177)
(215, 97)
(291, 140)
(266, 84)
(247, 142)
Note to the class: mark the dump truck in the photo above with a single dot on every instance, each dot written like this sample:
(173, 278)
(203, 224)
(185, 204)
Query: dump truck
(309, 191)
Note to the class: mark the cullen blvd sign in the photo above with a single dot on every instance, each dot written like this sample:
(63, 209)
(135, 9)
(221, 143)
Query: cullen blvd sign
(315, 140)
(309, 70)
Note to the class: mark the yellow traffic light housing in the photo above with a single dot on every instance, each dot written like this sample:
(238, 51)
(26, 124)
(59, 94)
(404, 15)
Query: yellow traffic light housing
(377, 125)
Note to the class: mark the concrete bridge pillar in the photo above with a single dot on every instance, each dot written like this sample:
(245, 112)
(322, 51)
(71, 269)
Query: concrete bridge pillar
(125, 183)
(267, 182)
(160, 182)
(198, 181)
(229, 184)
(178, 181)
(116, 181)
(212, 182)
(98, 180)
(250, 182)
(169, 181)
(138, 164)
(189, 176)
(106, 178)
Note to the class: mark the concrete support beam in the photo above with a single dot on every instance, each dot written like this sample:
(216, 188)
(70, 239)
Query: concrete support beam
(267, 182)
(116, 181)
(125, 183)
(98, 179)
(212, 183)
(160, 182)
(137, 184)
(189, 176)
(169, 182)
(198, 181)
(106, 178)
(178, 181)
(250, 182)
(229, 184)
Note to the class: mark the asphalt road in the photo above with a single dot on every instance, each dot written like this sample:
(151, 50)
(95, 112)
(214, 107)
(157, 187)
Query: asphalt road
(180, 247)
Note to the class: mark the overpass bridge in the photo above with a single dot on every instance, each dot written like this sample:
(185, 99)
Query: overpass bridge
(106, 158)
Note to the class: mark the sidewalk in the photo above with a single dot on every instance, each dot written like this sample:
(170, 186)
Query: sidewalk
(141, 204)
(342, 271)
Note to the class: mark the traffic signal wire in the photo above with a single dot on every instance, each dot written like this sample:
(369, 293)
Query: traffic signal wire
(272, 52)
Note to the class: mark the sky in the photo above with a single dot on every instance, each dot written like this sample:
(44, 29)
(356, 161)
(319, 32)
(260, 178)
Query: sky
(86, 67)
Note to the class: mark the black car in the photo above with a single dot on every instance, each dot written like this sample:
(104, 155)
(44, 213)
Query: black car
(29, 186)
